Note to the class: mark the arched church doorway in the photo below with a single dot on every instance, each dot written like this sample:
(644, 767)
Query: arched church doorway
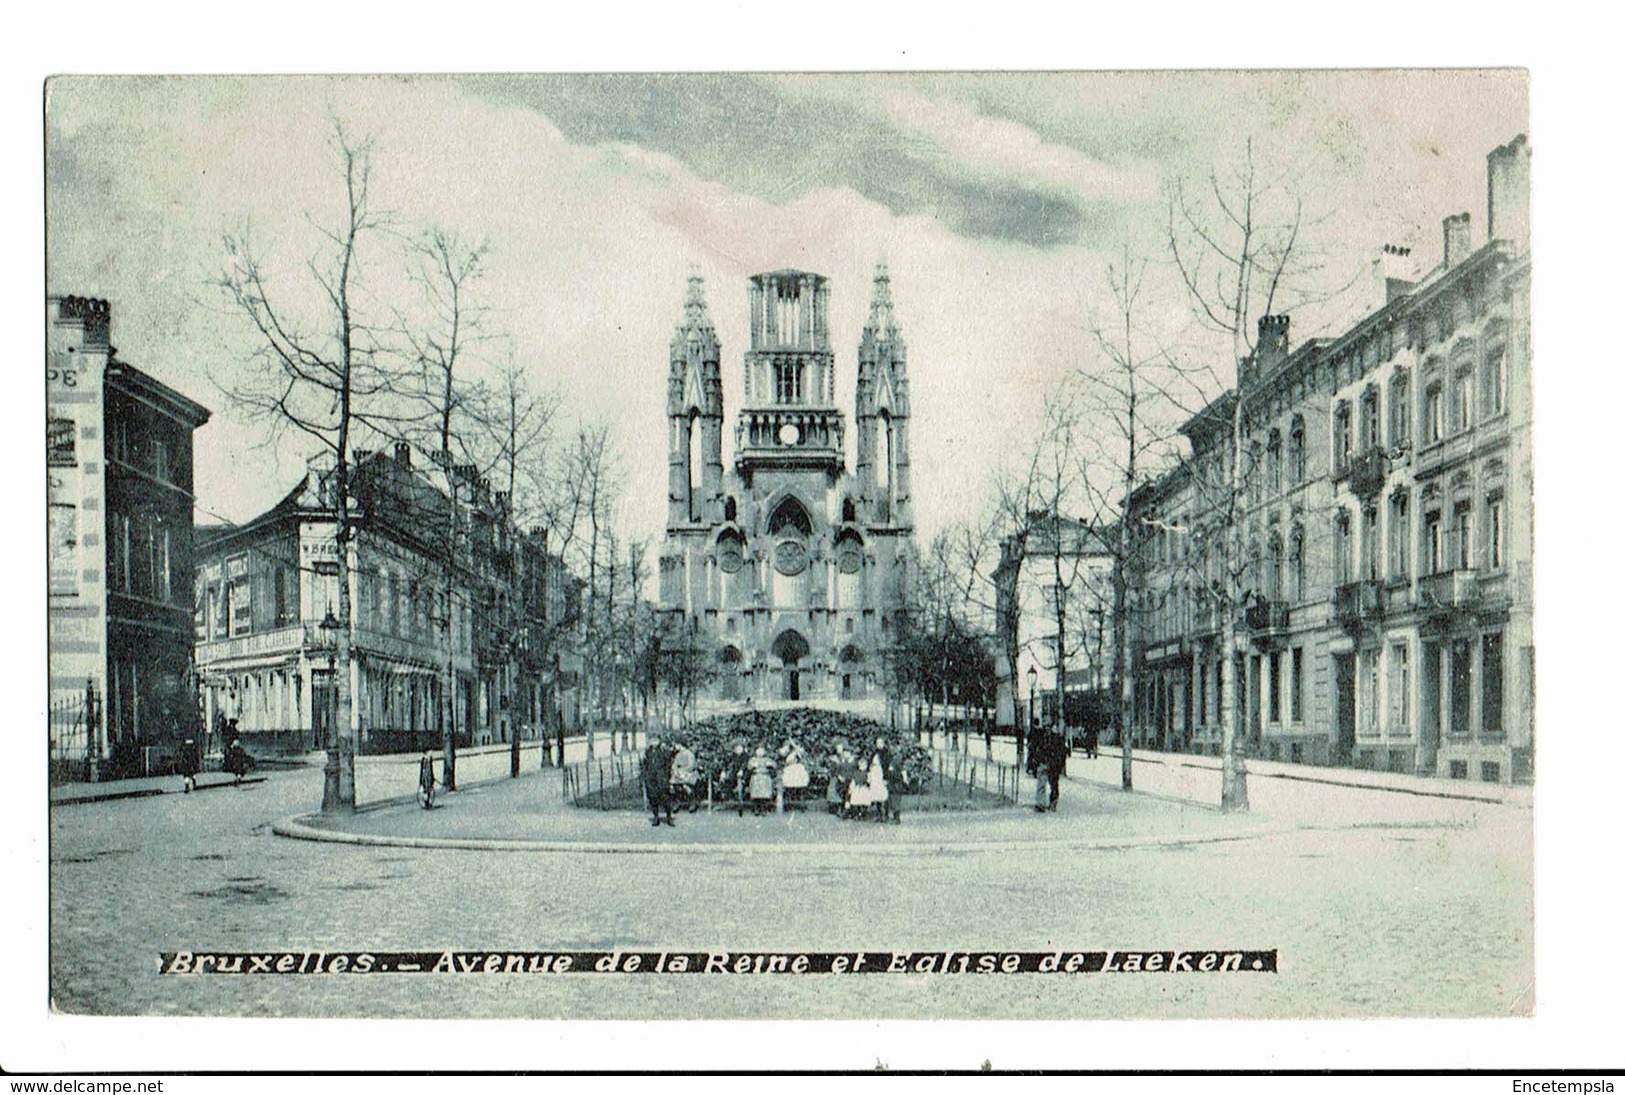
(729, 672)
(791, 650)
(852, 673)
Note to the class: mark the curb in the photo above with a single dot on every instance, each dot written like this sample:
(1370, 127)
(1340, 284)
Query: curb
(149, 792)
(296, 828)
(1292, 776)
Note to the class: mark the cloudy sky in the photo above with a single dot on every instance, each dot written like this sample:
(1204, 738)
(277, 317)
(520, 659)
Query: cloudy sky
(996, 200)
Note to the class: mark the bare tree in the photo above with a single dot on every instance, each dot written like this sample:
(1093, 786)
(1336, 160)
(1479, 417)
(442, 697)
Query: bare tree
(1236, 245)
(324, 374)
(580, 514)
(1127, 396)
(1013, 518)
(438, 343)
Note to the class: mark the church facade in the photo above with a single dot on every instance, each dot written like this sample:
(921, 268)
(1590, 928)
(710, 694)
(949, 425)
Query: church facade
(788, 568)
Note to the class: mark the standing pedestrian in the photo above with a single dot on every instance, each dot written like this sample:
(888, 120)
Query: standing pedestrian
(187, 763)
(657, 782)
(879, 789)
(1049, 761)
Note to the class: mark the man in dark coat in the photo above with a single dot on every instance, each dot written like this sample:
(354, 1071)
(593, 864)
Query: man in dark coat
(657, 781)
(1049, 761)
(187, 763)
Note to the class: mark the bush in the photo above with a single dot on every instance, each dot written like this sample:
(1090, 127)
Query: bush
(816, 731)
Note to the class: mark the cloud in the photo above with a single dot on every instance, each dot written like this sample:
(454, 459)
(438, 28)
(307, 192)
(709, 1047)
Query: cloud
(992, 198)
(769, 138)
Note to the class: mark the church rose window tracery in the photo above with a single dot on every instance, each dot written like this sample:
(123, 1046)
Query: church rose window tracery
(790, 558)
(849, 557)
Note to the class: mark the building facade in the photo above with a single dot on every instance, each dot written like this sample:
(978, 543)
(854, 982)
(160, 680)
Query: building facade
(789, 565)
(1386, 528)
(1067, 555)
(119, 498)
(436, 576)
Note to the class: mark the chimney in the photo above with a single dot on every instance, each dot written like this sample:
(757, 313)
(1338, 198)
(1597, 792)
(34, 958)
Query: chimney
(1392, 273)
(403, 454)
(1508, 171)
(94, 315)
(1458, 239)
(1272, 340)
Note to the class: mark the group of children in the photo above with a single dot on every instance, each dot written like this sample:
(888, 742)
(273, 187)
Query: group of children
(862, 789)
(765, 782)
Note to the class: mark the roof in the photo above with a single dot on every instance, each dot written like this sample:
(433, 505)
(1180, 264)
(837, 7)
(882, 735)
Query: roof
(157, 393)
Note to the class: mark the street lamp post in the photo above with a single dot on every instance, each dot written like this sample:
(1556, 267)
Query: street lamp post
(329, 628)
(1032, 710)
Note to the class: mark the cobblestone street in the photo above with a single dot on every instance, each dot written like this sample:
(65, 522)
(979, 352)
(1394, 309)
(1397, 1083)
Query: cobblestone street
(1380, 904)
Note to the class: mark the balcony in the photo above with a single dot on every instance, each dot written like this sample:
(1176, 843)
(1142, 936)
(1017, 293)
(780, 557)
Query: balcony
(1367, 471)
(1449, 590)
(1359, 603)
(1265, 618)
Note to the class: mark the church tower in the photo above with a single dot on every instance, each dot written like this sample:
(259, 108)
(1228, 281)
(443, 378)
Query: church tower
(788, 566)
(789, 424)
(694, 413)
(882, 415)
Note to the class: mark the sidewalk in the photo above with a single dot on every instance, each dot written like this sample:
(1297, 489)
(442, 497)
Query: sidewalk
(1362, 779)
(378, 776)
(67, 794)
(1354, 778)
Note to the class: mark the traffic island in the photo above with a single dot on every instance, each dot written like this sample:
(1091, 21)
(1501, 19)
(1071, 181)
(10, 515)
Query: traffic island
(529, 814)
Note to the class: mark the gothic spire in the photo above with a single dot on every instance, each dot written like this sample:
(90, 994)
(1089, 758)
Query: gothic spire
(881, 321)
(696, 317)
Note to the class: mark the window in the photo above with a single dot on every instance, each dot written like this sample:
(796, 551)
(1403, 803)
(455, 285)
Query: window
(1370, 421)
(64, 532)
(1399, 536)
(1490, 725)
(1273, 461)
(1399, 687)
(1463, 532)
(1495, 380)
(1276, 686)
(1433, 414)
(787, 377)
(118, 440)
(1343, 539)
(160, 562)
(1368, 693)
(1461, 392)
(1295, 449)
(241, 609)
(790, 518)
(1275, 579)
(1342, 438)
(1201, 696)
(1368, 543)
(1300, 585)
(1399, 410)
(1434, 529)
(1297, 684)
(1497, 532)
(59, 443)
(1461, 686)
(118, 551)
(163, 460)
(220, 607)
